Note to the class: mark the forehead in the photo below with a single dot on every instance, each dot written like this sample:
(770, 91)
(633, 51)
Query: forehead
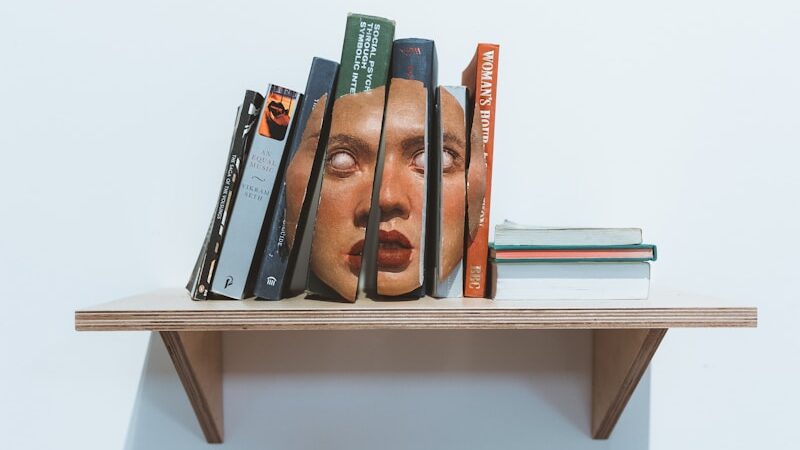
(406, 108)
(358, 114)
(452, 112)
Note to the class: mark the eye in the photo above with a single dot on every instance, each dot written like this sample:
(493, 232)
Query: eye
(448, 160)
(418, 161)
(342, 161)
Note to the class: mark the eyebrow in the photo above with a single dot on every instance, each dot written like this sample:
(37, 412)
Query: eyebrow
(413, 142)
(454, 138)
(358, 145)
(314, 135)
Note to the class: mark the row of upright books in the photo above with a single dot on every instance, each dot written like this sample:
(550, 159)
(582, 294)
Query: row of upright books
(375, 179)
(548, 263)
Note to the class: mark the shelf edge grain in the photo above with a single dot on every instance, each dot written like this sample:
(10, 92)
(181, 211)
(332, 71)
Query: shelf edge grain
(452, 318)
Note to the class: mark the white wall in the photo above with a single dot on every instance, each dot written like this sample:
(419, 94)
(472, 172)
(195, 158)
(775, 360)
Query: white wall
(680, 117)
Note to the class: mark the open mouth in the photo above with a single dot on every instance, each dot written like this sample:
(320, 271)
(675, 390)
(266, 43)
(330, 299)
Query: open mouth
(394, 251)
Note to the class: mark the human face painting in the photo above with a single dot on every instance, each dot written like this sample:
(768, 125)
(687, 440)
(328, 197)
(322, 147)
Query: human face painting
(402, 192)
(299, 170)
(348, 173)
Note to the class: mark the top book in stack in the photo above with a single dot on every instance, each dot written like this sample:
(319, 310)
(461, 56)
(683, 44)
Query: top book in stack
(513, 234)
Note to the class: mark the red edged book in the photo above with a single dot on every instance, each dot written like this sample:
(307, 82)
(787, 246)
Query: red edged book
(480, 77)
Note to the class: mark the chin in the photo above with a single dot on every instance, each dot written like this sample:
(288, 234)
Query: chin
(395, 284)
(347, 289)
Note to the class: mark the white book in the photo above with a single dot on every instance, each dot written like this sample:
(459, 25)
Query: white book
(511, 233)
(571, 281)
(250, 210)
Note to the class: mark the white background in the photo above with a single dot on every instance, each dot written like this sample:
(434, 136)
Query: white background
(680, 117)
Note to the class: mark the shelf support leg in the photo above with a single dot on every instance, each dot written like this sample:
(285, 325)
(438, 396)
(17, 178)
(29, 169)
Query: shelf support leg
(619, 360)
(197, 356)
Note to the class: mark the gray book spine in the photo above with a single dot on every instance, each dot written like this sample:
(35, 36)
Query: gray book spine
(447, 281)
(253, 199)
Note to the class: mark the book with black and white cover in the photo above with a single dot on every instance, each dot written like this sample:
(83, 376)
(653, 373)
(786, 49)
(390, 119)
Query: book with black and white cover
(449, 190)
(570, 280)
(301, 166)
(238, 257)
(202, 276)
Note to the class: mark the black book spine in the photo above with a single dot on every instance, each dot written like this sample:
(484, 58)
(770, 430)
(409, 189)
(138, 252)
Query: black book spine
(415, 59)
(284, 232)
(203, 274)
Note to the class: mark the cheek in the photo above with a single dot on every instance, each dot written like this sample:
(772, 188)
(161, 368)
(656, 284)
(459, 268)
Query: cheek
(453, 211)
(297, 176)
(477, 186)
(453, 198)
(339, 196)
(340, 202)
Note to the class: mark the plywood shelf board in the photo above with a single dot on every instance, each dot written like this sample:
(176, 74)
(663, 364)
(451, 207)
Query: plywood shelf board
(172, 310)
(627, 332)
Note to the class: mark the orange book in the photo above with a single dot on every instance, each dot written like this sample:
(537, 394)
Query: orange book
(480, 77)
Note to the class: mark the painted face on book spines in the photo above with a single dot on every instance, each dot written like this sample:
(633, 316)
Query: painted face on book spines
(402, 192)
(454, 163)
(349, 169)
(476, 176)
(299, 170)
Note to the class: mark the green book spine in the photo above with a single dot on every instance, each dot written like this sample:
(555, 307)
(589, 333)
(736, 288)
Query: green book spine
(351, 158)
(365, 54)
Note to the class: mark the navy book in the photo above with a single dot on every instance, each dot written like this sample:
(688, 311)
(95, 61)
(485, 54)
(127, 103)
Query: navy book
(396, 233)
(301, 165)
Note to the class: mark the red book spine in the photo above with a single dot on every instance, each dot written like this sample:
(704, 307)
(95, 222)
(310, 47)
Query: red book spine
(480, 77)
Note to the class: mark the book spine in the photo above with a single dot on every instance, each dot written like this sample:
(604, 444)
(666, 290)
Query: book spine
(203, 273)
(252, 201)
(412, 90)
(451, 129)
(286, 223)
(356, 123)
(365, 54)
(481, 77)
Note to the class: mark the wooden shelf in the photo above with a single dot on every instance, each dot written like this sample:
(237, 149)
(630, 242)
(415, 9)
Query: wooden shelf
(627, 332)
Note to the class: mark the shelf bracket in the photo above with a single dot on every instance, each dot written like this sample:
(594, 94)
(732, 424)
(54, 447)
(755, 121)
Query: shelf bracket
(619, 360)
(197, 356)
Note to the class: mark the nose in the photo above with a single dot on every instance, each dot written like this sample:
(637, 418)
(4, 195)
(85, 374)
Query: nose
(393, 199)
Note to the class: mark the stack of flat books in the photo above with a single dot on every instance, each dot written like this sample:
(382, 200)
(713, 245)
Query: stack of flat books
(546, 263)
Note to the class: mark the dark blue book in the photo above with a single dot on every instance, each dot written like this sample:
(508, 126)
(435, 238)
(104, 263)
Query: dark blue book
(301, 165)
(397, 228)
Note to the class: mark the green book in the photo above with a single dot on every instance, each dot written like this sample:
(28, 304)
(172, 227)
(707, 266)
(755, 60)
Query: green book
(351, 159)
(365, 54)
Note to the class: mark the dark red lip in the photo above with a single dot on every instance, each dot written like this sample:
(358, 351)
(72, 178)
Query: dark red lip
(354, 257)
(394, 251)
